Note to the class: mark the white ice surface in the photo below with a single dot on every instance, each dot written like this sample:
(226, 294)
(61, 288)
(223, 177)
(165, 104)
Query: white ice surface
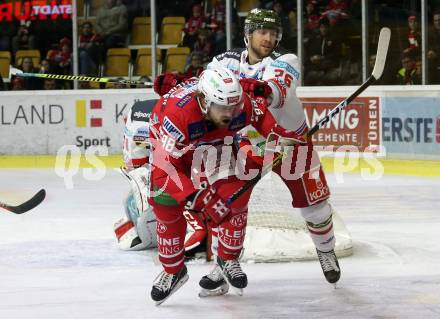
(61, 260)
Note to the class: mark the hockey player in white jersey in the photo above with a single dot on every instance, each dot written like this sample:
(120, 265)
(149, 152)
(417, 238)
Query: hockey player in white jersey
(261, 61)
(136, 230)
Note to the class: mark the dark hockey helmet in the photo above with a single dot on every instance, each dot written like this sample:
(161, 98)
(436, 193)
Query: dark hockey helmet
(262, 19)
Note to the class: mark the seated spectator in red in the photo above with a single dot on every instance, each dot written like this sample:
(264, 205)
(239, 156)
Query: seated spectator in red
(193, 25)
(89, 48)
(196, 67)
(312, 16)
(218, 16)
(413, 38)
(336, 10)
(61, 59)
(23, 40)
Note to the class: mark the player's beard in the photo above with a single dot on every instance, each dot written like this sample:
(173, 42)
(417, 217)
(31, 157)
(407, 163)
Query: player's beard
(222, 122)
(260, 52)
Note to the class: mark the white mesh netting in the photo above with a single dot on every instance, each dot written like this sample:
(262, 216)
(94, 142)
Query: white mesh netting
(276, 232)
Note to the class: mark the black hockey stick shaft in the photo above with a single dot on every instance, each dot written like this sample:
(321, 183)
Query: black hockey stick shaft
(26, 206)
(17, 72)
(382, 49)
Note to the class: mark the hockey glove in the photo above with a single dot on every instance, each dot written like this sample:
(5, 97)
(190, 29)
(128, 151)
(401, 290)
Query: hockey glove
(197, 222)
(279, 138)
(163, 83)
(207, 200)
(255, 87)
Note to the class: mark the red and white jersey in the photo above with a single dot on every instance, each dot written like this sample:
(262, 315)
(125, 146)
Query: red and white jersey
(179, 131)
(285, 105)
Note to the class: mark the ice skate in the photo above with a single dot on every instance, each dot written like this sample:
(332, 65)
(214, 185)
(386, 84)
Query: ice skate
(233, 274)
(330, 266)
(166, 284)
(213, 284)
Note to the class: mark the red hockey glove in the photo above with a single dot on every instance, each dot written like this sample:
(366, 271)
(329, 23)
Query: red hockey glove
(208, 201)
(255, 87)
(165, 82)
(280, 138)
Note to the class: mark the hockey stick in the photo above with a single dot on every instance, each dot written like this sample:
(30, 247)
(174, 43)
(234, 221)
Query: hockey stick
(26, 206)
(18, 72)
(381, 55)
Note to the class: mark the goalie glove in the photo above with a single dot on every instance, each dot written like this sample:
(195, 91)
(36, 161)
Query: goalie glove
(139, 179)
(256, 87)
(207, 200)
(163, 83)
(279, 138)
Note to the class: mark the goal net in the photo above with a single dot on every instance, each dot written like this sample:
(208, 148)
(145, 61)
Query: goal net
(277, 232)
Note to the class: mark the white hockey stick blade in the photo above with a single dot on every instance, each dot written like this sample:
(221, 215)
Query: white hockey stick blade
(14, 71)
(381, 55)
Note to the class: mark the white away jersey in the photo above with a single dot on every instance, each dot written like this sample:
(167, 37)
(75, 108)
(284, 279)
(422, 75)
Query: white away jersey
(287, 110)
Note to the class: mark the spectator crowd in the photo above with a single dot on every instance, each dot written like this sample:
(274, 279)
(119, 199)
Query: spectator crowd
(331, 39)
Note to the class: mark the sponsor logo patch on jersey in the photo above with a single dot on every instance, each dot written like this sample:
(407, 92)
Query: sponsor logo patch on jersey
(238, 122)
(286, 66)
(183, 101)
(172, 130)
(196, 130)
(315, 187)
(239, 220)
(227, 80)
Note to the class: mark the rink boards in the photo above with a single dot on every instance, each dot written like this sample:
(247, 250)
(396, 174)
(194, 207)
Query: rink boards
(391, 123)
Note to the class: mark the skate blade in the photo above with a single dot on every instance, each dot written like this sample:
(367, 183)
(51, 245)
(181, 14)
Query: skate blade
(223, 289)
(181, 282)
(237, 291)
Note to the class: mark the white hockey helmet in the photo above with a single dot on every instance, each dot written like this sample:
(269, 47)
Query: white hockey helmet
(219, 88)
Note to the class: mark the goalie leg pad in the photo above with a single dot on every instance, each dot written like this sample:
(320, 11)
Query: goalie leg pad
(136, 231)
(126, 234)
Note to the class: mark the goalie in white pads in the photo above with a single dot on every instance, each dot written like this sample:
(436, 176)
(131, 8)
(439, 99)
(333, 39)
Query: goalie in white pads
(136, 230)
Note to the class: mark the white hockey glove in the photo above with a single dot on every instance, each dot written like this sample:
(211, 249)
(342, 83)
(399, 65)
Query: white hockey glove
(139, 179)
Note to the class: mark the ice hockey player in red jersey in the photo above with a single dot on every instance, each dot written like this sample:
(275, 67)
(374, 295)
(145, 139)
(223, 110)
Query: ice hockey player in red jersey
(261, 60)
(196, 167)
